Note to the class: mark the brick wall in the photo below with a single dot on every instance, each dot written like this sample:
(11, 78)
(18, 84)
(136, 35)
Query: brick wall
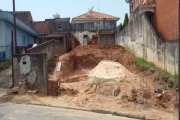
(165, 19)
(139, 38)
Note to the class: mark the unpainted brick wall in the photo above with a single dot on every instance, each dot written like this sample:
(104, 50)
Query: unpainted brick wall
(165, 17)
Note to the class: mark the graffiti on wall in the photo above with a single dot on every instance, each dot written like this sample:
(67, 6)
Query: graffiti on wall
(133, 35)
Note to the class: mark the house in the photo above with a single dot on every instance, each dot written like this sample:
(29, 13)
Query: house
(25, 17)
(94, 23)
(162, 14)
(25, 35)
(56, 28)
(42, 28)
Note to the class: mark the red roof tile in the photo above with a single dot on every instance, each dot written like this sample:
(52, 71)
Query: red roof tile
(94, 14)
(55, 35)
(24, 16)
(41, 27)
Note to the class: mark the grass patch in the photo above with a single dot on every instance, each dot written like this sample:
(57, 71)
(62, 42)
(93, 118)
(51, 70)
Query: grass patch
(174, 78)
(4, 65)
(143, 63)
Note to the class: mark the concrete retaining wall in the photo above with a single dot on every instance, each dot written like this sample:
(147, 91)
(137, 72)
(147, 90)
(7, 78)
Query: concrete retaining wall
(52, 48)
(140, 38)
(34, 69)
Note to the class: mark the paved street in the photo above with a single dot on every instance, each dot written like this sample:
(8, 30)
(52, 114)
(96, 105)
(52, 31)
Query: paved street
(9, 111)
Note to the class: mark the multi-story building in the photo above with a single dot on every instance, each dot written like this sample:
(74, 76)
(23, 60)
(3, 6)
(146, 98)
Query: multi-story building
(162, 14)
(95, 23)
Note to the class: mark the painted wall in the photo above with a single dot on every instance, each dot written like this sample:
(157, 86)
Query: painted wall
(2, 30)
(140, 38)
(5, 38)
(9, 27)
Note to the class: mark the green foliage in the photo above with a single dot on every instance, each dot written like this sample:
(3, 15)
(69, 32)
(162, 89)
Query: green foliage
(141, 62)
(174, 78)
(4, 65)
(120, 26)
(126, 21)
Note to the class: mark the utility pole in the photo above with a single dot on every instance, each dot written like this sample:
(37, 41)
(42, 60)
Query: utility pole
(13, 43)
(14, 14)
(179, 51)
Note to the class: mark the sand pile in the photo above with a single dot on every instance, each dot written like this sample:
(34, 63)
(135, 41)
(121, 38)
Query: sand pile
(107, 69)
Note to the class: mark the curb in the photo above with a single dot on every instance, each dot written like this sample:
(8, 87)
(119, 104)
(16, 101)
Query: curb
(95, 111)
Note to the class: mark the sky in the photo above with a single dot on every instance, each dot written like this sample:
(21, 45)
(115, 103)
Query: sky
(44, 9)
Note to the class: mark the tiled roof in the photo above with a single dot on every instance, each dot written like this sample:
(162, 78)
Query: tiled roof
(94, 14)
(24, 16)
(41, 27)
(55, 35)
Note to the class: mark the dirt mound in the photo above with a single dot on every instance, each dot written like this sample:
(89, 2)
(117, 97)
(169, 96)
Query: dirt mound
(87, 57)
(107, 69)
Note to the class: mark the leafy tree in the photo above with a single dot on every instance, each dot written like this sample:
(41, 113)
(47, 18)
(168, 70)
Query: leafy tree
(126, 20)
(120, 26)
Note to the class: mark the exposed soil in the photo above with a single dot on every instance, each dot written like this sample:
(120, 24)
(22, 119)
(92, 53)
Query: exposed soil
(132, 95)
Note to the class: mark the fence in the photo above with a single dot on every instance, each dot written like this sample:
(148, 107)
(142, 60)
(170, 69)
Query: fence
(6, 77)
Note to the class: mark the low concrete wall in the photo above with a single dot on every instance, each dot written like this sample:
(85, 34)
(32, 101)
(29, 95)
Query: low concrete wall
(107, 39)
(34, 69)
(140, 38)
(52, 48)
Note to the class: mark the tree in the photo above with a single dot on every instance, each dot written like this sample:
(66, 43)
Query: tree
(120, 26)
(126, 20)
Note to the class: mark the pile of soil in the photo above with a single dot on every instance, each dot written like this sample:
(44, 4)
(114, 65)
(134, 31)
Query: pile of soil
(107, 69)
(84, 58)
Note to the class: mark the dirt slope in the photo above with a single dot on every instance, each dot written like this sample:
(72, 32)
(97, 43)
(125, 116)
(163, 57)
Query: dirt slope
(128, 95)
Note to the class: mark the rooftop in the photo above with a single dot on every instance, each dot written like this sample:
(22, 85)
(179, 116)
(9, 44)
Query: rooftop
(93, 14)
(41, 26)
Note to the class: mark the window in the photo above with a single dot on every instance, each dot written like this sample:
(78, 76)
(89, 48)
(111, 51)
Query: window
(31, 40)
(59, 27)
(23, 39)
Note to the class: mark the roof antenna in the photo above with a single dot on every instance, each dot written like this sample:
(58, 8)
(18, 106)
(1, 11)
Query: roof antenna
(98, 6)
(90, 10)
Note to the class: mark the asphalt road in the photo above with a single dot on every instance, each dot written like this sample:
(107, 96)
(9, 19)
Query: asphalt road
(10, 111)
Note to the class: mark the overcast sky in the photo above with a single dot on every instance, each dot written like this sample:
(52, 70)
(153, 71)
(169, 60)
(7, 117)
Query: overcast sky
(44, 9)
